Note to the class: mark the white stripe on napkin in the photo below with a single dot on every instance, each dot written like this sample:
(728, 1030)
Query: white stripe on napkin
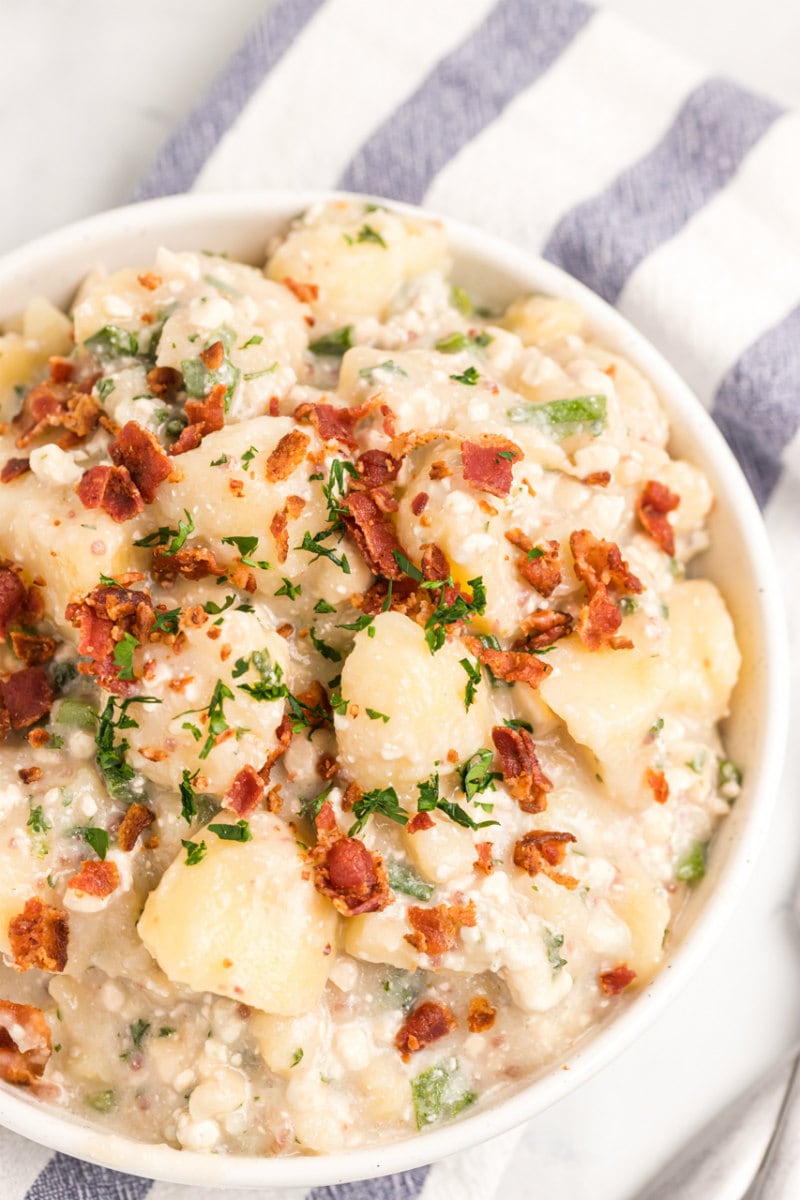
(177, 1191)
(305, 122)
(704, 295)
(473, 1174)
(568, 135)
(20, 1164)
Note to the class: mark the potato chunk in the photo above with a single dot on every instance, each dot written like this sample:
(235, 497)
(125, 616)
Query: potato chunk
(244, 922)
(705, 659)
(422, 694)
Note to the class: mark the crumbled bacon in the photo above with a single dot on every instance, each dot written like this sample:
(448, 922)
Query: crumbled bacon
(327, 767)
(13, 468)
(30, 774)
(352, 878)
(439, 470)
(514, 666)
(428, 1022)
(335, 424)
(657, 782)
(38, 937)
(615, 981)
(306, 293)
(541, 570)
(140, 452)
(26, 697)
(136, 820)
(113, 490)
(655, 501)
(245, 793)
(419, 822)
(597, 479)
(373, 533)
(419, 503)
(436, 929)
(33, 649)
(522, 772)
(541, 629)
(543, 851)
(483, 862)
(25, 1045)
(376, 469)
(164, 382)
(213, 356)
(95, 878)
(481, 1014)
(279, 525)
(487, 463)
(287, 455)
(600, 566)
(104, 617)
(13, 596)
(435, 567)
(60, 404)
(190, 562)
(204, 416)
(150, 280)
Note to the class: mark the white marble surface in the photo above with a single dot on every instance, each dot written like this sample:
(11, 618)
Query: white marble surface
(88, 92)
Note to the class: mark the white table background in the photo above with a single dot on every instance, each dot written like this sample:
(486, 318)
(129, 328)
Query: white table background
(88, 92)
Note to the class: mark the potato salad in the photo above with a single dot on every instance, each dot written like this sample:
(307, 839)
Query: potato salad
(359, 716)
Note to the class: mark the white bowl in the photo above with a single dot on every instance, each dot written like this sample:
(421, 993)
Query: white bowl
(739, 562)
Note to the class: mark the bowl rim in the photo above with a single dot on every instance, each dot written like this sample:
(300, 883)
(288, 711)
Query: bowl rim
(70, 1135)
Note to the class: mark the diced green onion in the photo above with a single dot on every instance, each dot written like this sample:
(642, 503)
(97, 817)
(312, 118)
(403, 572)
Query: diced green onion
(563, 417)
(78, 714)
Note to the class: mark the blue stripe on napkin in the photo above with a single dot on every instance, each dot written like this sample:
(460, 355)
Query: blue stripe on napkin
(405, 1186)
(181, 159)
(604, 239)
(66, 1178)
(757, 405)
(464, 93)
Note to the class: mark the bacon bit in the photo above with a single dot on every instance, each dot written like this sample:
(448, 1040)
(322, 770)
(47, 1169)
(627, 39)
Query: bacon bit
(543, 628)
(600, 566)
(325, 823)
(274, 800)
(190, 562)
(426, 1024)
(150, 280)
(615, 981)
(597, 479)
(373, 533)
(68, 405)
(279, 525)
(140, 452)
(36, 738)
(481, 1014)
(136, 820)
(352, 878)
(245, 793)
(327, 766)
(113, 490)
(306, 293)
(522, 772)
(33, 649)
(435, 567)
(23, 1025)
(213, 356)
(436, 929)
(316, 705)
(164, 381)
(206, 416)
(104, 617)
(26, 696)
(544, 851)
(13, 596)
(153, 753)
(487, 463)
(96, 879)
(335, 424)
(419, 503)
(376, 469)
(652, 507)
(515, 666)
(657, 782)
(285, 630)
(30, 774)
(38, 937)
(60, 368)
(542, 572)
(287, 455)
(420, 822)
(483, 862)
(351, 796)
(439, 470)
(13, 468)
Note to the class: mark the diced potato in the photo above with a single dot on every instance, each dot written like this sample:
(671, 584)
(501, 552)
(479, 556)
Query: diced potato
(642, 413)
(18, 361)
(245, 922)
(443, 852)
(280, 1038)
(380, 938)
(537, 320)
(422, 694)
(704, 658)
(208, 665)
(643, 906)
(356, 273)
(48, 327)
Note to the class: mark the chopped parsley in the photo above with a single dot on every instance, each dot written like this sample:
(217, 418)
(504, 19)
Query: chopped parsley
(460, 300)
(123, 656)
(110, 757)
(239, 832)
(249, 454)
(112, 342)
(329, 652)
(473, 671)
(389, 367)
(104, 389)
(322, 606)
(168, 540)
(455, 342)
(447, 613)
(403, 878)
(729, 778)
(103, 1102)
(188, 795)
(311, 808)
(692, 865)
(199, 380)
(246, 545)
(255, 340)
(439, 1093)
(405, 564)
(516, 723)
(374, 715)
(37, 821)
(217, 723)
(296, 1057)
(429, 799)
(380, 800)
(287, 588)
(364, 621)
(195, 852)
(97, 838)
(218, 462)
(367, 234)
(552, 944)
(476, 774)
(137, 1031)
(335, 343)
(470, 377)
(270, 686)
(561, 418)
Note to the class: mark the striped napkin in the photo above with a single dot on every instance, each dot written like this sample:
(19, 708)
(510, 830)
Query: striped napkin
(670, 192)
